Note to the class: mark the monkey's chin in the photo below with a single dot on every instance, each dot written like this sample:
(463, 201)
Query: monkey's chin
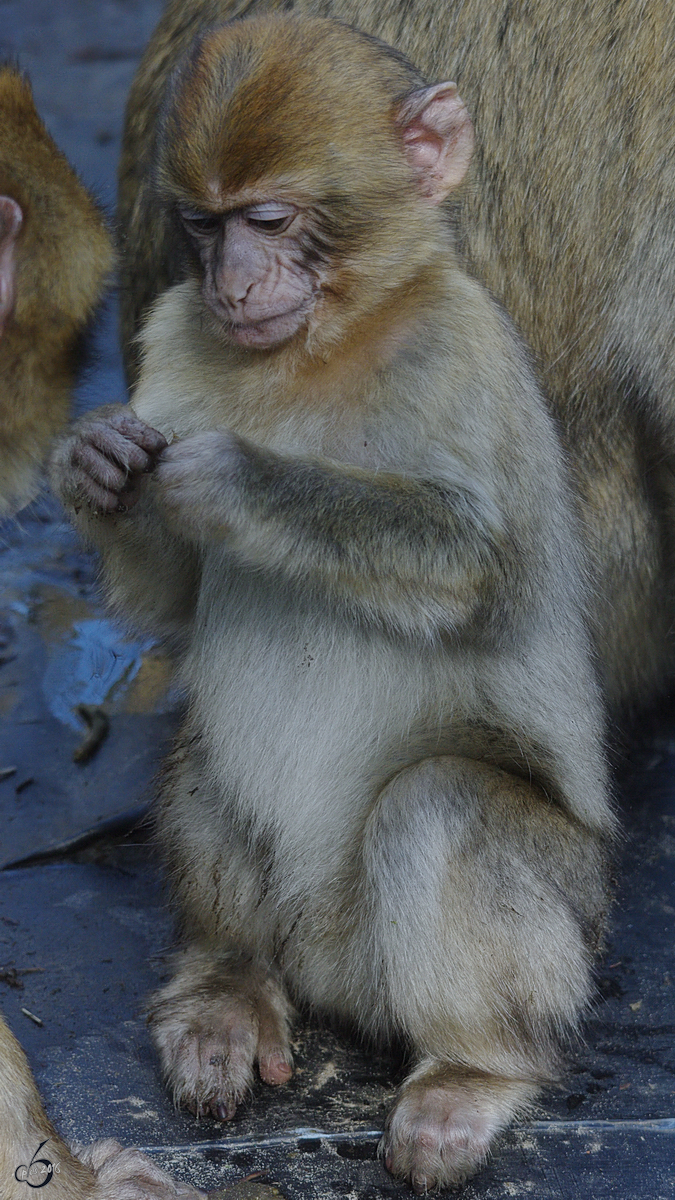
(272, 331)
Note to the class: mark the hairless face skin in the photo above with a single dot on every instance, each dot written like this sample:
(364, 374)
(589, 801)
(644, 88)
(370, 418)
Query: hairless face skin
(258, 278)
(11, 219)
(256, 282)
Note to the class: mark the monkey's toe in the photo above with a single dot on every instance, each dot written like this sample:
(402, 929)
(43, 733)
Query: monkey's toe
(274, 1066)
(209, 1038)
(429, 1157)
(442, 1127)
(207, 1046)
(126, 1174)
(221, 1108)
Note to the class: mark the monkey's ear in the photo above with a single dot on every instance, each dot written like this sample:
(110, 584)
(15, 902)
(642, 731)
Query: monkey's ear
(437, 138)
(11, 218)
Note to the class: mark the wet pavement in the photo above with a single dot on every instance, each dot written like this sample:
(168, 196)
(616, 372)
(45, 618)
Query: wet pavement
(85, 934)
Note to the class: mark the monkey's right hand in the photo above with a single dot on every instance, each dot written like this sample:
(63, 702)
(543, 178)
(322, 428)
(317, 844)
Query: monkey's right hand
(103, 459)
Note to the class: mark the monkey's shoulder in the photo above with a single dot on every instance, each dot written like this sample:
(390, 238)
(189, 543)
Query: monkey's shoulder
(459, 379)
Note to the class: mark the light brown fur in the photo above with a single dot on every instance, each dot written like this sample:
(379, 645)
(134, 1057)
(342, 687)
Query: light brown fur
(24, 1126)
(62, 259)
(57, 271)
(30, 1149)
(389, 798)
(567, 219)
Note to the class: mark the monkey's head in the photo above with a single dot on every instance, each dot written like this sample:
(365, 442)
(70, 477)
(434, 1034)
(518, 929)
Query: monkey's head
(55, 254)
(54, 249)
(304, 164)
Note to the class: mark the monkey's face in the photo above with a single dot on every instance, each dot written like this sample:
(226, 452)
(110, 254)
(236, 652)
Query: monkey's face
(301, 216)
(11, 219)
(256, 280)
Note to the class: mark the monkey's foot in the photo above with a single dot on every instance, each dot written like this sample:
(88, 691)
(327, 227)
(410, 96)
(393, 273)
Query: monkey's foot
(443, 1123)
(129, 1175)
(211, 1026)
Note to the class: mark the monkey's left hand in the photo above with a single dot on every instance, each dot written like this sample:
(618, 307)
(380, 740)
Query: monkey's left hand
(196, 483)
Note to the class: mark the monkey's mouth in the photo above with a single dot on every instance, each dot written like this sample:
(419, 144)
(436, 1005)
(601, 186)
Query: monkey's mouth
(268, 331)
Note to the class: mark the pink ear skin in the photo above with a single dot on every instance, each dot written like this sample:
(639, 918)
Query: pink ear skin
(437, 139)
(11, 218)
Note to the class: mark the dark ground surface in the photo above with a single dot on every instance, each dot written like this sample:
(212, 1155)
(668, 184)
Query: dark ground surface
(85, 935)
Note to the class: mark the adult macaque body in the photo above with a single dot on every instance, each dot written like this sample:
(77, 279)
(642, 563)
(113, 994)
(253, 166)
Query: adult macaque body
(55, 255)
(389, 797)
(568, 220)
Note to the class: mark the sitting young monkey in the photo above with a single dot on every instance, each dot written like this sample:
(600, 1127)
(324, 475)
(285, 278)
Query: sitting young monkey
(389, 797)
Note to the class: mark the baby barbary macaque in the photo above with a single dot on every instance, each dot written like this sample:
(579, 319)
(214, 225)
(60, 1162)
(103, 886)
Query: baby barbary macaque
(388, 799)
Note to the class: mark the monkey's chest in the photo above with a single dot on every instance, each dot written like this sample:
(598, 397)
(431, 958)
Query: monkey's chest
(304, 715)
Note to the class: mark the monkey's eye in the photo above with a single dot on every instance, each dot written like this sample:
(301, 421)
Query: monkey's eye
(200, 222)
(269, 218)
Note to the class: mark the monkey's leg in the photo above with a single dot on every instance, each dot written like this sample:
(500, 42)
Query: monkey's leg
(485, 902)
(223, 1010)
(218, 1016)
(33, 1156)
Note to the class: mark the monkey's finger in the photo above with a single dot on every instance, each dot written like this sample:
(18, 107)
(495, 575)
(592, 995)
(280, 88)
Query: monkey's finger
(420, 1162)
(118, 448)
(234, 1069)
(131, 494)
(130, 426)
(98, 498)
(100, 468)
(224, 1108)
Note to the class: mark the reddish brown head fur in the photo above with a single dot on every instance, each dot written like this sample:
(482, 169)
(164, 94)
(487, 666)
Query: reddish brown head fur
(307, 101)
(63, 251)
(54, 257)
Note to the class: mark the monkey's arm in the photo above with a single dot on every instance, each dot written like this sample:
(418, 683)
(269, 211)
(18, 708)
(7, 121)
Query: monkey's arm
(99, 470)
(420, 556)
(33, 1156)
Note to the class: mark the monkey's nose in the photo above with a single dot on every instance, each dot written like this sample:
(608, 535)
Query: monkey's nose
(234, 288)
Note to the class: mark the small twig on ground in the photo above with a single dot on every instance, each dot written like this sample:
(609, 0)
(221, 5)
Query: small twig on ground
(31, 1017)
(99, 725)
